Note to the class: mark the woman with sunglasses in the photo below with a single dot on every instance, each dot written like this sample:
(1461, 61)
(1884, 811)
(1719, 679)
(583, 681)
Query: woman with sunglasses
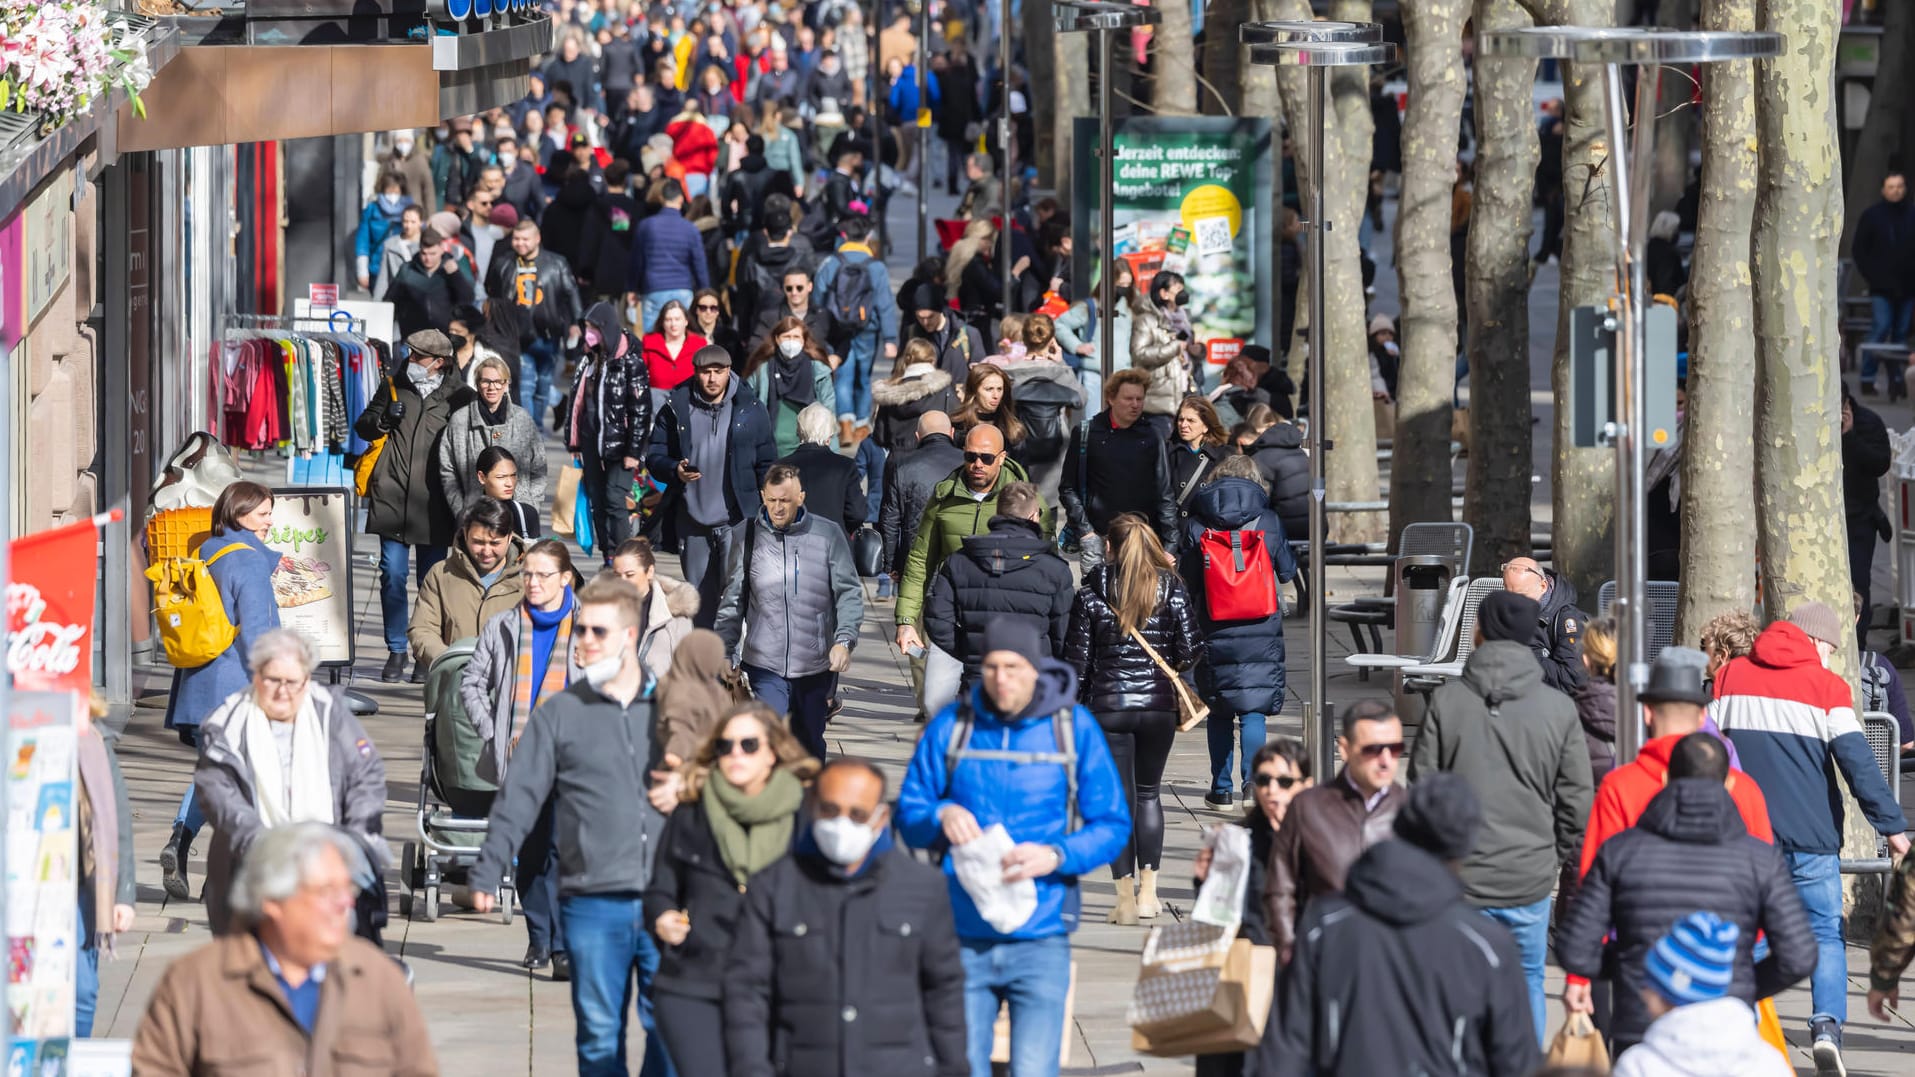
(669, 347)
(1131, 620)
(790, 370)
(522, 656)
(708, 321)
(738, 812)
(1280, 771)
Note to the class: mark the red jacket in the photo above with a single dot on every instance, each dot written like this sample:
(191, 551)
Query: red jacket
(667, 373)
(693, 145)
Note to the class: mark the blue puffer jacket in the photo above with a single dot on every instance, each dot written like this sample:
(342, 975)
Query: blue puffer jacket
(1028, 798)
(245, 579)
(1243, 660)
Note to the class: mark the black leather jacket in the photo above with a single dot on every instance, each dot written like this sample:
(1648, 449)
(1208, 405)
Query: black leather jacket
(1113, 672)
(615, 419)
(556, 305)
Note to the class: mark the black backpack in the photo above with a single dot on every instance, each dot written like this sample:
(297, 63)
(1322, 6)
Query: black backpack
(849, 300)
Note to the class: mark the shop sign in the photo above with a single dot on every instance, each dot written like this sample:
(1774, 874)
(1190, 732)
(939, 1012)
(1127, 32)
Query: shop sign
(324, 296)
(312, 583)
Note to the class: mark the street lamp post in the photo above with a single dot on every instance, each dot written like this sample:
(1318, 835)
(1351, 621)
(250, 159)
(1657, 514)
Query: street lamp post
(1103, 18)
(1317, 47)
(1629, 174)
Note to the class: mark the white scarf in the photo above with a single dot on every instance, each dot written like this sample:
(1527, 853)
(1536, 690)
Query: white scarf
(249, 733)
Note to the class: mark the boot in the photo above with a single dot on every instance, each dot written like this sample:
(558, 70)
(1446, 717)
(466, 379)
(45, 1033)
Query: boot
(844, 433)
(1125, 914)
(1148, 907)
(173, 857)
(860, 432)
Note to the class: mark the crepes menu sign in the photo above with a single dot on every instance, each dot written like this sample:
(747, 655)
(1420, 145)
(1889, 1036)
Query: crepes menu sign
(312, 582)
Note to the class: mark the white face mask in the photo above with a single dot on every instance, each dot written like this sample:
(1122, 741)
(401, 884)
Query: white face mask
(419, 373)
(631, 315)
(403, 147)
(601, 673)
(842, 841)
(790, 348)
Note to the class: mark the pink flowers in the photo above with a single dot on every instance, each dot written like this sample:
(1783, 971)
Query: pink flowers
(57, 57)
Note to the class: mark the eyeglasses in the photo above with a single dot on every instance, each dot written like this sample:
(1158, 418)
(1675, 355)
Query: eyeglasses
(496, 383)
(1283, 781)
(541, 576)
(986, 458)
(706, 307)
(280, 684)
(828, 810)
(725, 746)
(1371, 751)
(597, 632)
(1505, 567)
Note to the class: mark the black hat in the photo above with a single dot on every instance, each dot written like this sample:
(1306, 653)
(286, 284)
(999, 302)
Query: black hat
(1676, 677)
(927, 296)
(1255, 353)
(1016, 635)
(1440, 816)
(1506, 615)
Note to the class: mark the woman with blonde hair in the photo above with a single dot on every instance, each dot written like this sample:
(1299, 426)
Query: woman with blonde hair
(1596, 699)
(969, 274)
(918, 386)
(1132, 633)
(738, 813)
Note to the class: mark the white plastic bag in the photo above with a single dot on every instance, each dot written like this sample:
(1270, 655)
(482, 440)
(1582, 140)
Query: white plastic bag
(980, 870)
(1220, 899)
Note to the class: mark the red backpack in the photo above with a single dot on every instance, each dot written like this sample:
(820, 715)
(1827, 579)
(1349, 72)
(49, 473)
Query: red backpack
(1239, 584)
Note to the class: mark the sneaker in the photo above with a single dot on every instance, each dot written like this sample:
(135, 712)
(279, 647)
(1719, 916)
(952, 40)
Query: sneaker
(395, 670)
(1828, 1047)
(561, 967)
(1220, 800)
(885, 587)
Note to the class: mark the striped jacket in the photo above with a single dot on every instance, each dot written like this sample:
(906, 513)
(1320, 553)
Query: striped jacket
(1792, 723)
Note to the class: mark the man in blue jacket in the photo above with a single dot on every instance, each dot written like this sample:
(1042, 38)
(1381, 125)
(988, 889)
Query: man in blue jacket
(871, 325)
(668, 258)
(1018, 752)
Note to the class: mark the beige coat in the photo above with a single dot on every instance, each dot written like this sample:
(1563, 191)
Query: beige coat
(218, 1010)
(453, 604)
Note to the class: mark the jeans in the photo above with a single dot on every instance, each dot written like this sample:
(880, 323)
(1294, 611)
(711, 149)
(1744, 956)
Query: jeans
(853, 378)
(804, 699)
(392, 585)
(86, 990)
(607, 483)
(538, 370)
(706, 554)
(1888, 323)
(609, 944)
(537, 879)
(1033, 976)
(190, 816)
(1217, 730)
(1818, 879)
(1530, 926)
(871, 464)
(655, 302)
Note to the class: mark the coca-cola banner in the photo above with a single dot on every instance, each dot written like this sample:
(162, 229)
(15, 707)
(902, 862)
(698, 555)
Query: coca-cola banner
(50, 609)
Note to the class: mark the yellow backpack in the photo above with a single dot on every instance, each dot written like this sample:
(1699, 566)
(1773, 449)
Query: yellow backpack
(193, 624)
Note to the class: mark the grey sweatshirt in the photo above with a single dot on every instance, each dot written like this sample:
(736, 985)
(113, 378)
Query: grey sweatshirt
(710, 428)
(597, 755)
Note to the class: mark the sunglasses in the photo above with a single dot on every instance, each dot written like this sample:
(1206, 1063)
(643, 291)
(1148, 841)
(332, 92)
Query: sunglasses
(794, 289)
(599, 632)
(1283, 781)
(980, 458)
(702, 307)
(742, 746)
(1371, 751)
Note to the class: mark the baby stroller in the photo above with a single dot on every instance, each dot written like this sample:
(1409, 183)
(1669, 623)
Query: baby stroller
(453, 800)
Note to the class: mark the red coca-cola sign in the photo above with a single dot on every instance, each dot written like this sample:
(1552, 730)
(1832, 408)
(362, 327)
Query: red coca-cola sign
(50, 609)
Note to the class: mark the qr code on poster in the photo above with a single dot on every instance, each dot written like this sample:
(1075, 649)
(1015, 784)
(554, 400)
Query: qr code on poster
(1212, 235)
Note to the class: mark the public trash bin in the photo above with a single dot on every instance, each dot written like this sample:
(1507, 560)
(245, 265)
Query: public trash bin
(1422, 581)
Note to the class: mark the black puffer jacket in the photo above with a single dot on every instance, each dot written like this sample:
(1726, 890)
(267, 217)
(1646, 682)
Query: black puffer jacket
(615, 418)
(908, 484)
(1286, 467)
(1011, 570)
(900, 404)
(1113, 672)
(1596, 709)
(1243, 660)
(690, 874)
(1688, 851)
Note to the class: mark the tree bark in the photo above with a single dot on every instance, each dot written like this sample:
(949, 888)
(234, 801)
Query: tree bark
(1348, 419)
(1173, 61)
(1718, 472)
(1224, 59)
(1420, 460)
(1798, 449)
(1036, 39)
(1675, 119)
(1891, 121)
(1583, 491)
(1496, 492)
(1071, 81)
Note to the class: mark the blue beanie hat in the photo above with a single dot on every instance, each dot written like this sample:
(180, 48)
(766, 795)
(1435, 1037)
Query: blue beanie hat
(1695, 961)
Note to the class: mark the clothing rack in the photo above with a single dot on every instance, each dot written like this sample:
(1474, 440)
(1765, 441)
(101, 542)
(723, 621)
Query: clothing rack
(295, 323)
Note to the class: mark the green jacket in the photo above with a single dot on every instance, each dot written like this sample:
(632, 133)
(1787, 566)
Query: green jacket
(951, 516)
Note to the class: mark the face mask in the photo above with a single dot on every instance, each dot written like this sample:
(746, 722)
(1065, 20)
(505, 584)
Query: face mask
(419, 373)
(443, 132)
(790, 348)
(842, 841)
(600, 673)
(631, 315)
(592, 337)
(391, 202)
(403, 147)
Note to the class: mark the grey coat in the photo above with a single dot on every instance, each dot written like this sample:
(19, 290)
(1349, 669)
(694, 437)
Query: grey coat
(223, 784)
(788, 611)
(467, 435)
(488, 686)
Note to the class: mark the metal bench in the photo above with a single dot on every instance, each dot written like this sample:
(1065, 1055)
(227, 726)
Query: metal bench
(1663, 597)
(1885, 743)
(1426, 676)
(1364, 662)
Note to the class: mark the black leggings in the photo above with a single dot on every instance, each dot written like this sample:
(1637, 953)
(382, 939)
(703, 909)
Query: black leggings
(693, 1030)
(1140, 743)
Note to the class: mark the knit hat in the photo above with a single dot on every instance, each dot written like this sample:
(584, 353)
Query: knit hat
(927, 296)
(1695, 961)
(1255, 353)
(1819, 622)
(1016, 635)
(1506, 615)
(1440, 816)
(710, 355)
(1382, 324)
(504, 215)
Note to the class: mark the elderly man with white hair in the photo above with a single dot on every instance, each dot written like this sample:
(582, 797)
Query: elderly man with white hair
(277, 752)
(832, 489)
(291, 989)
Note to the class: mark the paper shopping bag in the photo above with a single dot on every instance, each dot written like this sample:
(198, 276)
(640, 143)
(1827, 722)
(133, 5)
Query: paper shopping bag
(1177, 1019)
(564, 499)
(1578, 1043)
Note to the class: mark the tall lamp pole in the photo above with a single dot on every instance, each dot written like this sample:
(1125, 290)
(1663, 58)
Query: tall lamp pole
(1103, 19)
(1631, 169)
(1317, 47)
(924, 128)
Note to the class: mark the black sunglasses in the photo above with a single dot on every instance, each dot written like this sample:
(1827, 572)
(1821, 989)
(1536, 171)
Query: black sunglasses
(1371, 751)
(792, 288)
(598, 632)
(1284, 781)
(980, 457)
(706, 306)
(746, 745)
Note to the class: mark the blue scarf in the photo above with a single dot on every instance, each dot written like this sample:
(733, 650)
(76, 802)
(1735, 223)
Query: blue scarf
(545, 627)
